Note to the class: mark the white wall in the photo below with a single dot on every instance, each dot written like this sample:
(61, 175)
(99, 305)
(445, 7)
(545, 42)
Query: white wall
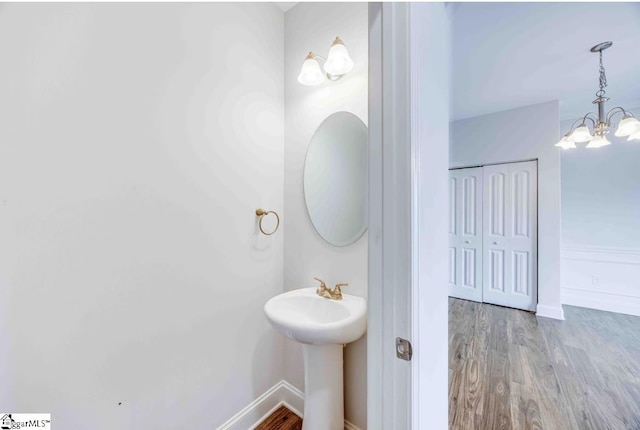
(601, 193)
(137, 142)
(312, 27)
(522, 134)
(601, 225)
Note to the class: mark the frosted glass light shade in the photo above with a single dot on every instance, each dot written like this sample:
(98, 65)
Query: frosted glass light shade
(566, 142)
(598, 141)
(628, 126)
(635, 136)
(311, 73)
(581, 134)
(338, 61)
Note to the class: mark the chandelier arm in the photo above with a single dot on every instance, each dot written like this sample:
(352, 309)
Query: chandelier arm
(593, 121)
(579, 120)
(582, 121)
(616, 110)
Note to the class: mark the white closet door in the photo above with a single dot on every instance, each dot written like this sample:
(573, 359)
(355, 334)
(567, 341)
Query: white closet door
(509, 235)
(465, 234)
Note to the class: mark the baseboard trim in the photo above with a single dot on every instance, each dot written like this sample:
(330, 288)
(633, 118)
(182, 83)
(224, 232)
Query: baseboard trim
(555, 312)
(268, 414)
(256, 410)
(293, 398)
(282, 393)
(609, 302)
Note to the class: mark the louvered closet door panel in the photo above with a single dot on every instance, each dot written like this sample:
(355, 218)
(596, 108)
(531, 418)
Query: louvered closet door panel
(465, 234)
(510, 235)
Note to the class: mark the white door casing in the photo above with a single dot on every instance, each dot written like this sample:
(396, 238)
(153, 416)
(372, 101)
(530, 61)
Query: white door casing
(389, 300)
(430, 76)
(465, 234)
(510, 235)
(408, 159)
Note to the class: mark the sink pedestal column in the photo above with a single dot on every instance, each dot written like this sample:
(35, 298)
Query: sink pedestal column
(323, 387)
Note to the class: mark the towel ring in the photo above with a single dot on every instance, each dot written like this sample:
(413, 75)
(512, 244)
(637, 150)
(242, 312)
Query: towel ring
(262, 213)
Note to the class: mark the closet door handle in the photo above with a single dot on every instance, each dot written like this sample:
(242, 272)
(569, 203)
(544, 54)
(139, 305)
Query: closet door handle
(495, 243)
(466, 241)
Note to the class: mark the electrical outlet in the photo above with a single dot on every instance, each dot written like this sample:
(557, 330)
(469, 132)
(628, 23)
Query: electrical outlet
(595, 280)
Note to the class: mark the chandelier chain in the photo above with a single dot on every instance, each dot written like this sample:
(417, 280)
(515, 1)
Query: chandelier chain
(603, 79)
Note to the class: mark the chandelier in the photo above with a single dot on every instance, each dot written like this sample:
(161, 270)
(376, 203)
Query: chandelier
(593, 128)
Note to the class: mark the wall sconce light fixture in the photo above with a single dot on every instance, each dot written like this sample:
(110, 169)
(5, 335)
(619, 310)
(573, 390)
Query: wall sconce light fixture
(336, 65)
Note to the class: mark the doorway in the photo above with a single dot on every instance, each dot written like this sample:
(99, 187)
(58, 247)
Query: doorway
(493, 234)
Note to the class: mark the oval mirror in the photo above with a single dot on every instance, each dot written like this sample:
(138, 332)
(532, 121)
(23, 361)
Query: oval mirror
(335, 179)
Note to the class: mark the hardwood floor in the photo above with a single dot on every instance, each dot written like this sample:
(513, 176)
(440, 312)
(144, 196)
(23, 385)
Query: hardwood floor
(281, 419)
(511, 370)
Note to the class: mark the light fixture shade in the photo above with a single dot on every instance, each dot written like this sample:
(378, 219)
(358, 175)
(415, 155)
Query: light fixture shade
(628, 126)
(311, 73)
(635, 136)
(581, 134)
(598, 141)
(338, 61)
(566, 142)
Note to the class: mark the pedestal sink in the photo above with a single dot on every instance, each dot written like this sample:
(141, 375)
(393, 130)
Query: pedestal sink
(322, 326)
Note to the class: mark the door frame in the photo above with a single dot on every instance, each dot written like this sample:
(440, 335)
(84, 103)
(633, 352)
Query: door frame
(493, 164)
(388, 379)
(408, 195)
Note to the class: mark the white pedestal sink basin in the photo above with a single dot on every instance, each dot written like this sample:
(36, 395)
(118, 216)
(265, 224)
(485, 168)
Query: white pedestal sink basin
(322, 326)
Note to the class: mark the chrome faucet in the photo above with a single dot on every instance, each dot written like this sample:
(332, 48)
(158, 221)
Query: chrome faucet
(328, 293)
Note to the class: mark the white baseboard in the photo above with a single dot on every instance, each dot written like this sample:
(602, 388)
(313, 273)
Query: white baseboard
(602, 301)
(293, 398)
(602, 278)
(555, 312)
(263, 406)
(283, 393)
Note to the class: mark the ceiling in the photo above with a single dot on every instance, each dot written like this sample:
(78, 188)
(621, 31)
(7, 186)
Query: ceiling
(508, 55)
(285, 6)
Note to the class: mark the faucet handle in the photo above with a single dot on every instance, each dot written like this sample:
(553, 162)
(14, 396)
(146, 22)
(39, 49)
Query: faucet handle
(336, 294)
(322, 290)
(322, 284)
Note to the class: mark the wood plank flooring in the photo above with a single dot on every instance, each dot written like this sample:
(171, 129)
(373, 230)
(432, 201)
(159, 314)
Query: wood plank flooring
(509, 369)
(281, 419)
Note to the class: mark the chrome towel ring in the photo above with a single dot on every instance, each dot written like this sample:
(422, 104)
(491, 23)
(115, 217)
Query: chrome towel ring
(262, 213)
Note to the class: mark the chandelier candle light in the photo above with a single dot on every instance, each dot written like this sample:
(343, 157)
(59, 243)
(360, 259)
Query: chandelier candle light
(600, 123)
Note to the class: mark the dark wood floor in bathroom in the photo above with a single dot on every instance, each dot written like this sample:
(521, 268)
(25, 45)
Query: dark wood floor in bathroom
(281, 419)
(511, 370)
